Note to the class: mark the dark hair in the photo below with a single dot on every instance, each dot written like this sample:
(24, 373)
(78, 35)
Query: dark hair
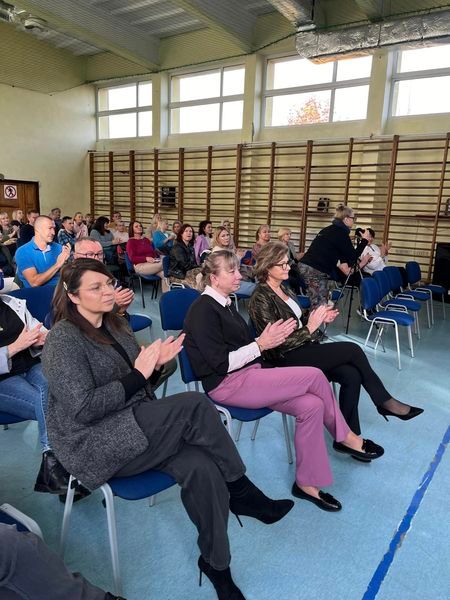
(269, 256)
(359, 231)
(63, 307)
(66, 218)
(130, 228)
(202, 226)
(99, 225)
(32, 211)
(258, 231)
(182, 230)
(371, 231)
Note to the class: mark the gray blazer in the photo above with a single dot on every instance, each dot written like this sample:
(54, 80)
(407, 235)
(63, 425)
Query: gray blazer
(91, 426)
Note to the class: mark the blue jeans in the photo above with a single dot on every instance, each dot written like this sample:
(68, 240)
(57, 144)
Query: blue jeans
(26, 396)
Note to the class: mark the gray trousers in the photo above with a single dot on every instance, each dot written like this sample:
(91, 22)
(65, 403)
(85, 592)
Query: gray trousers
(188, 440)
(31, 571)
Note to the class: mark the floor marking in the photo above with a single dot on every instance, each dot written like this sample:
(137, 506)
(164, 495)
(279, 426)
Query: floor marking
(382, 570)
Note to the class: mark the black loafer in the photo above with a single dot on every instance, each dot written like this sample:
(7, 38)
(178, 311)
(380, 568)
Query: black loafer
(325, 501)
(371, 451)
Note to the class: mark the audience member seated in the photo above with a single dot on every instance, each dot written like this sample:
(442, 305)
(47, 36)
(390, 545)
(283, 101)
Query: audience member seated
(89, 220)
(8, 231)
(79, 226)
(17, 217)
(66, 234)
(23, 387)
(262, 238)
(331, 246)
(28, 565)
(26, 231)
(183, 267)
(221, 240)
(202, 244)
(343, 362)
(176, 226)
(296, 281)
(55, 214)
(162, 240)
(142, 253)
(7, 270)
(39, 261)
(121, 232)
(377, 255)
(226, 358)
(100, 232)
(154, 224)
(227, 224)
(115, 219)
(104, 421)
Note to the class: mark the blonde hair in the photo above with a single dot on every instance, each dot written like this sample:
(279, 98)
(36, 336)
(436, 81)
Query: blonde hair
(270, 255)
(215, 238)
(214, 263)
(282, 231)
(343, 211)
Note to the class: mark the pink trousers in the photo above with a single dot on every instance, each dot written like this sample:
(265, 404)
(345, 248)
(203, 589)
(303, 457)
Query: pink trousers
(303, 392)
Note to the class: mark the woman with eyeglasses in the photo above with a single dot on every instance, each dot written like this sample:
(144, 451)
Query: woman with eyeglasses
(342, 362)
(104, 419)
(226, 357)
(331, 246)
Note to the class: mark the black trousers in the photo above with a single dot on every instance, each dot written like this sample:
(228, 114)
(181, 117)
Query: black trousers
(347, 364)
(188, 440)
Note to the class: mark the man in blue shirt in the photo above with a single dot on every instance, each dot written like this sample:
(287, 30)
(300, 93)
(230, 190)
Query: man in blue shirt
(39, 261)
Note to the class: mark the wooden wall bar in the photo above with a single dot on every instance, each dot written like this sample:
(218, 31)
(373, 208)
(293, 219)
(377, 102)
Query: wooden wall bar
(398, 185)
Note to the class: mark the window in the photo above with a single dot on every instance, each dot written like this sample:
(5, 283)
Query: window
(207, 101)
(299, 92)
(421, 81)
(124, 111)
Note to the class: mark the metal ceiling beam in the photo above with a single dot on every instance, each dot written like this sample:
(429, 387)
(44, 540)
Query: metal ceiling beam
(89, 24)
(373, 9)
(296, 11)
(228, 17)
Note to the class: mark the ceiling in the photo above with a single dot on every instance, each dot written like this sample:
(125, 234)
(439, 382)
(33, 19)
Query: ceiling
(134, 29)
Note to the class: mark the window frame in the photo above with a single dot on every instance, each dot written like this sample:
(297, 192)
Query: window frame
(136, 109)
(220, 100)
(397, 77)
(331, 86)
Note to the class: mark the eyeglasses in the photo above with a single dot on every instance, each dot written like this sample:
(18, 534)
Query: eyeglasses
(96, 255)
(99, 288)
(352, 217)
(285, 266)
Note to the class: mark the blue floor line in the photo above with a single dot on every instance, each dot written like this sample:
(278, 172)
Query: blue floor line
(382, 570)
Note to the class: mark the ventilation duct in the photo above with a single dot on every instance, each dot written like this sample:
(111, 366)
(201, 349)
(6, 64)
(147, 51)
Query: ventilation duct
(21, 18)
(420, 30)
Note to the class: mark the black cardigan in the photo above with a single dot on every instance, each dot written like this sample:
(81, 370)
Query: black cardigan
(331, 245)
(212, 331)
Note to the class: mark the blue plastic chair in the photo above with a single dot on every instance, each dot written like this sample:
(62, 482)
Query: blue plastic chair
(38, 299)
(136, 487)
(139, 322)
(396, 280)
(173, 307)
(414, 276)
(233, 412)
(303, 301)
(9, 419)
(370, 299)
(154, 279)
(396, 302)
(9, 515)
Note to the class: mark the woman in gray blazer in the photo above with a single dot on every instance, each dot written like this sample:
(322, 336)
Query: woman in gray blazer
(104, 420)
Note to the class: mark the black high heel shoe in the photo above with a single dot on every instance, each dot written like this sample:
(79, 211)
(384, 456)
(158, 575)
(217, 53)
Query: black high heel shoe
(223, 583)
(414, 411)
(251, 502)
(370, 450)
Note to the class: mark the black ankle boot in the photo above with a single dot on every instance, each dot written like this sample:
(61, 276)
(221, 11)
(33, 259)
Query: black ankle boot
(246, 499)
(52, 477)
(223, 583)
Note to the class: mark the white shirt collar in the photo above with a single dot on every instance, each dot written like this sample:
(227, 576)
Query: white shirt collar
(209, 291)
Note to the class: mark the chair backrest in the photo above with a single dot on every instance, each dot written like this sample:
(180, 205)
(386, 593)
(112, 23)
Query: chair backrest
(165, 265)
(187, 374)
(395, 278)
(252, 328)
(370, 293)
(38, 299)
(413, 272)
(128, 264)
(173, 307)
(383, 282)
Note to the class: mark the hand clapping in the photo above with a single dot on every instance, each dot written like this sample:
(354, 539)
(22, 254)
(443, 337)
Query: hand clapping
(276, 333)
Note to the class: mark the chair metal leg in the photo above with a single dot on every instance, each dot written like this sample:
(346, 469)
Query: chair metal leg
(255, 429)
(368, 335)
(443, 306)
(151, 500)
(112, 534)
(428, 314)
(417, 324)
(66, 517)
(5, 427)
(238, 432)
(164, 390)
(287, 438)
(432, 308)
(398, 346)
(142, 293)
(410, 339)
